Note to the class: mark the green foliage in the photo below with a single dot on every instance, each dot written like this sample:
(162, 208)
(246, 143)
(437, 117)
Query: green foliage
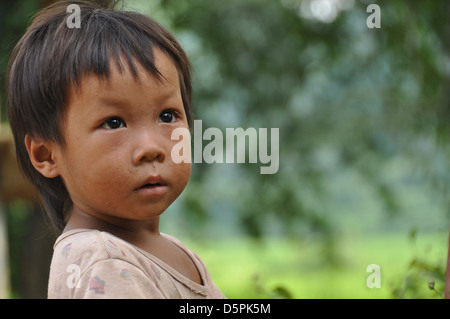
(281, 268)
(278, 292)
(17, 217)
(14, 18)
(422, 277)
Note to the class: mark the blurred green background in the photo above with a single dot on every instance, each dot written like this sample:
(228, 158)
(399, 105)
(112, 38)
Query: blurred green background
(364, 159)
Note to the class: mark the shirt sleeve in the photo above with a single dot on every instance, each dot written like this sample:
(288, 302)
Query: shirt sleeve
(115, 279)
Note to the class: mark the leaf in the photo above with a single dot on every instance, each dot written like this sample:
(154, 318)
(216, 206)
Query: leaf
(282, 292)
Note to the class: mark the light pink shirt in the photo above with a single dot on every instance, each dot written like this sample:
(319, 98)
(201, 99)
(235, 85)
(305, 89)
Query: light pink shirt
(92, 264)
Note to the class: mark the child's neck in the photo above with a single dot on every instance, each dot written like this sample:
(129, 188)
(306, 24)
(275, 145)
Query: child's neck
(128, 230)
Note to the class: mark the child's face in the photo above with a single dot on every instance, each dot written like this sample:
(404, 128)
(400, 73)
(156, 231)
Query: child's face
(116, 162)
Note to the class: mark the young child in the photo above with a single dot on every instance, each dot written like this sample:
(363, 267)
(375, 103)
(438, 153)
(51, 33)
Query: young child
(92, 110)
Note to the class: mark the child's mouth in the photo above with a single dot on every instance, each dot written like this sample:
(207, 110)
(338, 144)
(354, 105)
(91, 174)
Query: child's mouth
(153, 187)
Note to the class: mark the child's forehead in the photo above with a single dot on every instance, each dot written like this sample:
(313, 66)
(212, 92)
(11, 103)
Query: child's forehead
(123, 77)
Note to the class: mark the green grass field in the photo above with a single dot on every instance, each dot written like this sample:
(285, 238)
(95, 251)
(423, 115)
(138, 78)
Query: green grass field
(298, 269)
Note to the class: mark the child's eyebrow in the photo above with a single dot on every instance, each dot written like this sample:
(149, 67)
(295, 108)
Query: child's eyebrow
(121, 102)
(110, 104)
(113, 101)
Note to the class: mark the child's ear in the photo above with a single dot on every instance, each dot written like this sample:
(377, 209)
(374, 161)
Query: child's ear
(41, 155)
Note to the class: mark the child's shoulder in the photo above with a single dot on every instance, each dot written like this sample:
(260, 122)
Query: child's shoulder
(92, 260)
(85, 247)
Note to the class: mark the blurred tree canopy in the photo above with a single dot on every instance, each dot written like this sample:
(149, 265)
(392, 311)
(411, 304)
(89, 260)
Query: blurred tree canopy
(352, 104)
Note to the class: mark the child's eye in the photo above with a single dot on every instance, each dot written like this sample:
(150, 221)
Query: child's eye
(168, 116)
(113, 123)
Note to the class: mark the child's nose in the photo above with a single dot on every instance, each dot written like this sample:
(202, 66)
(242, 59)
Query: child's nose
(149, 148)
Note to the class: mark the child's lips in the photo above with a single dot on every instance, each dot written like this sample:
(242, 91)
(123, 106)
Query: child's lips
(153, 186)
